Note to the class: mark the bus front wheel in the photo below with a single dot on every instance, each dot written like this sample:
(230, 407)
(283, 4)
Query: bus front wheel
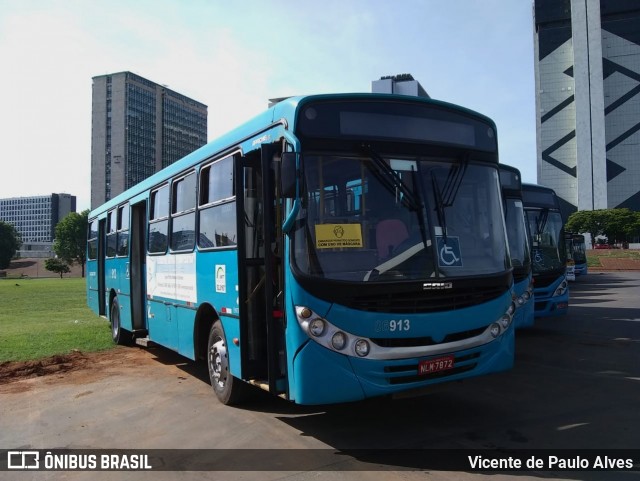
(118, 334)
(228, 389)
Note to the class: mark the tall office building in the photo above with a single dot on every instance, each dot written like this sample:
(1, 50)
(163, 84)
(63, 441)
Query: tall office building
(587, 64)
(35, 218)
(403, 84)
(137, 128)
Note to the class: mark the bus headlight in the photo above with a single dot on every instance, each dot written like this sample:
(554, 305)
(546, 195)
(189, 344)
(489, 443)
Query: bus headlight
(495, 329)
(511, 309)
(521, 300)
(361, 347)
(505, 321)
(561, 289)
(339, 340)
(526, 295)
(317, 327)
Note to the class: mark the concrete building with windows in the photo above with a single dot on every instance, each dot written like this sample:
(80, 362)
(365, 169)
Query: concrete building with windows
(137, 128)
(402, 84)
(587, 67)
(35, 218)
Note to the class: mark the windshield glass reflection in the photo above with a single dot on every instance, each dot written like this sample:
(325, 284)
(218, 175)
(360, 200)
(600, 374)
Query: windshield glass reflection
(411, 218)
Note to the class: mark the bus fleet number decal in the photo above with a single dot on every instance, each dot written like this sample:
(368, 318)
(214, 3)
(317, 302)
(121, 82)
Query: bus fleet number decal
(393, 325)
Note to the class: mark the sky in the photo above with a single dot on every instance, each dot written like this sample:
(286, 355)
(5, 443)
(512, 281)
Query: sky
(234, 56)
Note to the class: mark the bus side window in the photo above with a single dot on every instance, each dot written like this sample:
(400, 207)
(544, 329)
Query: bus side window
(123, 231)
(92, 236)
(112, 228)
(183, 223)
(217, 211)
(159, 220)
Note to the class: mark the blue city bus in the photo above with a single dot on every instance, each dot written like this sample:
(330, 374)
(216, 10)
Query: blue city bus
(519, 247)
(571, 264)
(334, 248)
(579, 254)
(548, 250)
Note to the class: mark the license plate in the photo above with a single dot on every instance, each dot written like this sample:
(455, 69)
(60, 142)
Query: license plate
(435, 365)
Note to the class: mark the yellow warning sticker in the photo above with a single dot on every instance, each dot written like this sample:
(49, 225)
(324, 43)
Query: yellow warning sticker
(337, 236)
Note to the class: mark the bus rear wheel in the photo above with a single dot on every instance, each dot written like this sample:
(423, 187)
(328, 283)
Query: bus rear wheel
(118, 334)
(228, 389)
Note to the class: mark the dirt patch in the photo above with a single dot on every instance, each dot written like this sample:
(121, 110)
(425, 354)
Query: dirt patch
(75, 361)
(14, 370)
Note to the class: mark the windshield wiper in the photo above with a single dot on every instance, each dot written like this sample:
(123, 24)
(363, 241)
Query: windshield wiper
(447, 196)
(390, 179)
(417, 188)
(541, 221)
(442, 220)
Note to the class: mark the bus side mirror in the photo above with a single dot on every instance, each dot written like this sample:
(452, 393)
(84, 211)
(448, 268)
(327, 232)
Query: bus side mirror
(289, 174)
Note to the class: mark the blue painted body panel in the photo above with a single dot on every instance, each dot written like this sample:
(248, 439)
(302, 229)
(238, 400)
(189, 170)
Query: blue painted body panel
(92, 285)
(117, 283)
(581, 269)
(524, 316)
(345, 378)
(546, 304)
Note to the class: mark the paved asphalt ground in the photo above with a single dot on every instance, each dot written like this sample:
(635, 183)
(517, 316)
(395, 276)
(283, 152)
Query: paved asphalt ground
(575, 385)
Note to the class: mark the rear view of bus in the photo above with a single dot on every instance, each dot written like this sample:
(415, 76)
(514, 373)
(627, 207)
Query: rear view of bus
(519, 245)
(548, 250)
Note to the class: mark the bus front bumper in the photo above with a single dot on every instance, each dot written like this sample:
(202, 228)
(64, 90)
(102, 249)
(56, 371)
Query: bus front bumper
(331, 377)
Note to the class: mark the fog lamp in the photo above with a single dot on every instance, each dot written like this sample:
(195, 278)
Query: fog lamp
(362, 347)
(339, 340)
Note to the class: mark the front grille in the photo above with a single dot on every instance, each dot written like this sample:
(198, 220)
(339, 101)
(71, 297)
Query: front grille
(540, 306)
(424, 301)
(427, 341)
(545, 280)
(412, 371)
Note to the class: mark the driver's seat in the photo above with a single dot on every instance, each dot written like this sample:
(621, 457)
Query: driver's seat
(390, 233)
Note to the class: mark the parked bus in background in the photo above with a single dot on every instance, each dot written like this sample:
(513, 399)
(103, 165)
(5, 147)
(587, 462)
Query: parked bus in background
(548, 250)
(334, 248)
(519, 244)
(579, 255)
(571, 264)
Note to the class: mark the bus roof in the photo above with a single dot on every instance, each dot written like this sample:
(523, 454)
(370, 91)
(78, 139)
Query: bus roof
(534, 195)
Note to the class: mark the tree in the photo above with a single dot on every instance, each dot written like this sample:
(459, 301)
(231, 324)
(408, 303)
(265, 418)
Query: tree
(70, 243)
(10, 242)
(592, 221)
(618, 225)
(621, 225)
(56, 265)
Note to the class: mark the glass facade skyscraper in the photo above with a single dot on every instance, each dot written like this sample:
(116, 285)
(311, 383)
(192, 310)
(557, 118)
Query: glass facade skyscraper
(587, 67)
(138, 127)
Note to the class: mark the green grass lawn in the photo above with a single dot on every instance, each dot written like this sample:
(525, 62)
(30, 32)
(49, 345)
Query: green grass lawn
(43, 317)
(593, 256)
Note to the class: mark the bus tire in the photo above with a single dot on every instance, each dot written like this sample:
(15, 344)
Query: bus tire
(118, 334)
(228, 389)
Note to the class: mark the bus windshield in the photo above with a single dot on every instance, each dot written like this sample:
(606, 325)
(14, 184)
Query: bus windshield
(548, 249)
(517, 233)
(579, 252)
(409, 218)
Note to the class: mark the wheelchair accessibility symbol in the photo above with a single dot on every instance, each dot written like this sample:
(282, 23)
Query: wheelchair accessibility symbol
(537, 256)
(449, 252)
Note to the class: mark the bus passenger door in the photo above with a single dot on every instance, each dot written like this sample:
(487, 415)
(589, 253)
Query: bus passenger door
(137, 268)
(263, 355)
(102, 302)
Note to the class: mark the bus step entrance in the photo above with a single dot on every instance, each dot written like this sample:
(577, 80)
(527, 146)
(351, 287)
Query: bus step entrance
(264, 385)
(144, 342)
